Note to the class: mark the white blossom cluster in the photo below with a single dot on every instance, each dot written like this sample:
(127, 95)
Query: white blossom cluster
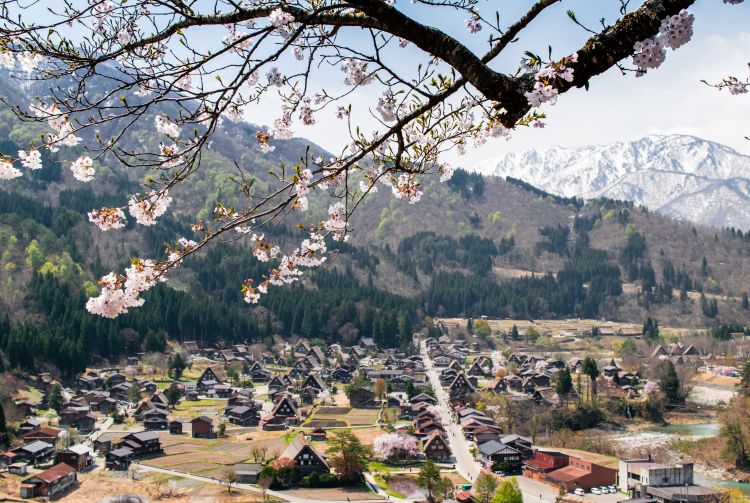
(83, 169)
(31, 159)
(118, 295)
(166, 127)
(336, 223)
(147, 209)
(262, 249)
(28, 61)
(8, 172)
(108, 218)
(675, 31)
(283, 22)
(356, 72)
(545, 78)
(406, 187)
(57, 120)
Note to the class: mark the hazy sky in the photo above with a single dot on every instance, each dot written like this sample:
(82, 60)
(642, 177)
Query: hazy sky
(670, 99)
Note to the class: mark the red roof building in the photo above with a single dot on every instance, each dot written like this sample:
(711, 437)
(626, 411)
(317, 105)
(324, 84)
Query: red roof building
(49, 483)
(567, 472)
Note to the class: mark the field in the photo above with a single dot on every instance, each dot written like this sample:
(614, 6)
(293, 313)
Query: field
(188, 410)
(330, 417)
(559, 327)
(208, 457)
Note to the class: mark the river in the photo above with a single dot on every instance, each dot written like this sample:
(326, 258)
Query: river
(701, 430)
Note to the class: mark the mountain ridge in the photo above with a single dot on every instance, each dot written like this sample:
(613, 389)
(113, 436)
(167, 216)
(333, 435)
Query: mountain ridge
(682, 176)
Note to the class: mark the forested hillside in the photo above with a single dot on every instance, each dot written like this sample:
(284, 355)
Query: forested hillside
(473, 246)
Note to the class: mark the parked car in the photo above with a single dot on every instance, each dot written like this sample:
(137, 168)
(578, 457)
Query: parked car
(604, 489)
(612, 489)
(579, 492)
(596, 490)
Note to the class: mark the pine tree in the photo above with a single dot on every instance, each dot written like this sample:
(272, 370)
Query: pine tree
(745, 301)
(55, 398)
(3, 427)
(564, 384)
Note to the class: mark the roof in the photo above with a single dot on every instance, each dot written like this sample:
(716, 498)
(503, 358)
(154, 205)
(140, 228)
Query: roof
(46, 431)
(145, 436)
(205, 419)
(79, 449)
(248, 468)
(35, 446)
(514, 438)
(494, 447)
(568, 474)
(121, 452)
(296, 445)
(58, 471)
(670, 492)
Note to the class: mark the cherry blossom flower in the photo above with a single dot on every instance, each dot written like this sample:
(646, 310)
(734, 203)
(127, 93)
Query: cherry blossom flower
(356, 72)
(387, 107)
(342, 112)
(147, 209)
(167, 127)
(31, 159)
(83, 169)
(407, 187)
(274, 77)
(336, 223)
(283, 22)
(108, 218)
(8, 172)
(474, 24)
(396, 446)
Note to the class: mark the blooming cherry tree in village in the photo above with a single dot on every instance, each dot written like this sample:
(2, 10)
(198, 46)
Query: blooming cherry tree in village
(390, 446)
(183, 67)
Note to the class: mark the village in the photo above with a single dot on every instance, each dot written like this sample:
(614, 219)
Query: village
(228, 415)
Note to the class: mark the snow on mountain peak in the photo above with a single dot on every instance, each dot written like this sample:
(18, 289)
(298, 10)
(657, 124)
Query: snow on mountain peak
(680, 175)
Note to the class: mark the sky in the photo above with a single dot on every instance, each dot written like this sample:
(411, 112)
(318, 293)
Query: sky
(668, 100)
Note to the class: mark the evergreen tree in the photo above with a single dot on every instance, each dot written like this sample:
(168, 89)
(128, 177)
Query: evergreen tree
(172, 394)
(55, 398)
(3, 427)
(176, 366)
(650, 330)
(134, 395)
(669, 382)
(745, 301)
(564, 384)
(590, 369)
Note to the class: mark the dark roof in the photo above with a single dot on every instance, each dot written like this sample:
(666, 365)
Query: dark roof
(121, 452)
(35, 446)
(144, 436)
(248, 468)
(205, 419)
(494, 447)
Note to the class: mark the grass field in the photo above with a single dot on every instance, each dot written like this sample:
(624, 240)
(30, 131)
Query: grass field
(330, 417)
(209, 457)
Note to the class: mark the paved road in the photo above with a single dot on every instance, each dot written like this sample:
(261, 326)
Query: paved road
(533, 491)
(465, 463)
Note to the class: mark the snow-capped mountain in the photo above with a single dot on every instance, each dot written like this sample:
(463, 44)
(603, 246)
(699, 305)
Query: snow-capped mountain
(679, 175)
